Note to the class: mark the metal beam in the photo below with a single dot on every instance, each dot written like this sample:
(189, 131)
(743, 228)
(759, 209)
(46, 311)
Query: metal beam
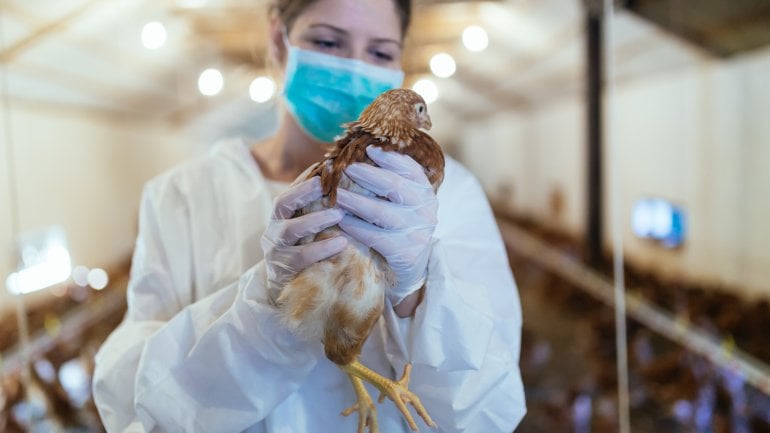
(595, 167)
(12, 8)
(39, 34)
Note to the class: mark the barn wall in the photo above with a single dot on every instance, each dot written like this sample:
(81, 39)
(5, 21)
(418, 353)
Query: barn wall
(85, 172)
(697, 136)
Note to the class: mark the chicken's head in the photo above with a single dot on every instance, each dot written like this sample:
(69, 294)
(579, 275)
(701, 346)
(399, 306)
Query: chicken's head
(388, 113)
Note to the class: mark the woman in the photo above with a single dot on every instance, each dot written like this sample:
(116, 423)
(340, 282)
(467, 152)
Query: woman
(201, 348)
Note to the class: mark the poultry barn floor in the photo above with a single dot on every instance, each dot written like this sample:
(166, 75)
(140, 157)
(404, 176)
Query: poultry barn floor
(561, 369)
(569, 369)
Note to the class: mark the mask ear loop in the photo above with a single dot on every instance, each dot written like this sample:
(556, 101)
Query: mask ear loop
(285, 36)
(286, 48)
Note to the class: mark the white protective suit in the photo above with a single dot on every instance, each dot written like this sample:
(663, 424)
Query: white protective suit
(201, 350)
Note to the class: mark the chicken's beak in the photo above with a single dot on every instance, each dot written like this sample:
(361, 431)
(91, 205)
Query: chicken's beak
(425, 122)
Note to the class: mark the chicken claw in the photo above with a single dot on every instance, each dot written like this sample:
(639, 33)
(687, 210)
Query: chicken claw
(367, 413)
(399, 393)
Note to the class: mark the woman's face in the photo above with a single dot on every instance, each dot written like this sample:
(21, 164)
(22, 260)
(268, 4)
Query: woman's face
(367, 30)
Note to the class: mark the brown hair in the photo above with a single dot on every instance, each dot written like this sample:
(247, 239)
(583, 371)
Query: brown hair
(289, 10)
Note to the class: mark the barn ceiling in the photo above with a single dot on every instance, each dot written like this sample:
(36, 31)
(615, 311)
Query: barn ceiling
(724, 28)
(87, 55)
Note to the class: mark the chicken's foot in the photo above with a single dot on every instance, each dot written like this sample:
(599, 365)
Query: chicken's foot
(367, 413)
(397, 391)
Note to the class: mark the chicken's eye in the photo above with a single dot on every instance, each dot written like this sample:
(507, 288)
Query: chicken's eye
(420, 108)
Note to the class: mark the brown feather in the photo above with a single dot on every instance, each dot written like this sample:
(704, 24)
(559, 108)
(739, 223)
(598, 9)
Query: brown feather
(386, 123)
(353, 283)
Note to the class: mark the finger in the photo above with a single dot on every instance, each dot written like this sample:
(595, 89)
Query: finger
(314, 252)
(308, 225)
(387, 184)
(362, 231)
(297, 197)
(376, 211)
(401, 164)
(381, 240)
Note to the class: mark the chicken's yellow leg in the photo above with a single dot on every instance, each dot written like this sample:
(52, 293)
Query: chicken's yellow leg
(398, 391)
(367, 413)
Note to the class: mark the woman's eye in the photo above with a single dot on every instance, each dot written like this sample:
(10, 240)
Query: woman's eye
(382, 56)
(325, 44)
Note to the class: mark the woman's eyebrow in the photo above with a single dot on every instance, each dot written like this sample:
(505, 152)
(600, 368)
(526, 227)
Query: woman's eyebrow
(330, 27)
(387, 41)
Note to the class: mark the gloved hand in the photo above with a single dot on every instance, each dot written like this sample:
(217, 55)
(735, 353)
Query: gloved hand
(399, 228)
(283, 257)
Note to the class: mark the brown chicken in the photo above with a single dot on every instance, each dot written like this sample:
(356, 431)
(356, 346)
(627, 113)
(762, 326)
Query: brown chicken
(339, 300)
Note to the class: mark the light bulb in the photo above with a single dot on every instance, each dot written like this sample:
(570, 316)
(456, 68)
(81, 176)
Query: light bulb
(98, 278)
(475, 38)
(153, 35)
(210, 82)
(261, 89)
(442, 65)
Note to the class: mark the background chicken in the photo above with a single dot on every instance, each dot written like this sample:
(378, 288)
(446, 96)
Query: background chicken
(338, 300)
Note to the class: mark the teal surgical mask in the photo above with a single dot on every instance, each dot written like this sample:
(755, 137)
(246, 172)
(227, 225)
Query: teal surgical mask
(322, 91)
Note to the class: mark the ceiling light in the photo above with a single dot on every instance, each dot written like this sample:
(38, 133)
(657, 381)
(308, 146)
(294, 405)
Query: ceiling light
(261, 89)
(427, 89)
(210, 82)
(98, 278)
(475, 38)
(153, 35)
(442, 65)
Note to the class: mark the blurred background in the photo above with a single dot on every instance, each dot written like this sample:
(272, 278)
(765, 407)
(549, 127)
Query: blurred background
(637, 137)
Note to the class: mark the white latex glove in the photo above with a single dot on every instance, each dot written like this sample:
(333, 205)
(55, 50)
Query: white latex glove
(283, 257)
(400, 222)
